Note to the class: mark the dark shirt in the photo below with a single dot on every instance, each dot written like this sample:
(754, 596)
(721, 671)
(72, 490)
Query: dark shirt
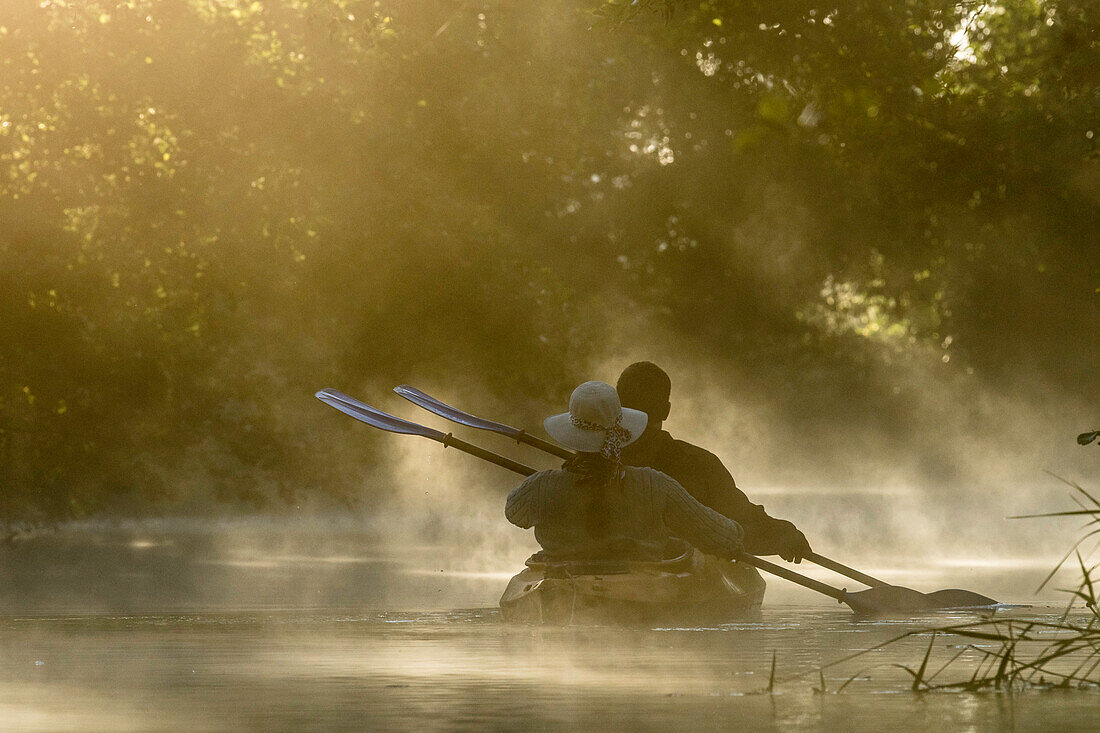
(703, 475)
(644, 509)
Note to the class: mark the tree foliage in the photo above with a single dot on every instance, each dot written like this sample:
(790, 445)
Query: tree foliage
(211, 209)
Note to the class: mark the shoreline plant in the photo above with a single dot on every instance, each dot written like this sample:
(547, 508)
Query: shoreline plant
(1010, 655)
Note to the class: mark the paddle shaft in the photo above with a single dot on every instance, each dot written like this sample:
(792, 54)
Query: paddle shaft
(521, 436)
(786, 574)
(845, 570)
(450, 441)
(543, 445)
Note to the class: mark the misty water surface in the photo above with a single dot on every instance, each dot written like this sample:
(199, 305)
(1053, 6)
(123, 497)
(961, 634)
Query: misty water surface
(279, 624)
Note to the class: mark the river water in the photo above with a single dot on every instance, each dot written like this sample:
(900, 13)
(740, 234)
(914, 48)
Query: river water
(119, 629)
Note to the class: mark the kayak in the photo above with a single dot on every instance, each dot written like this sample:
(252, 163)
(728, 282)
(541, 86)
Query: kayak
(692, 588)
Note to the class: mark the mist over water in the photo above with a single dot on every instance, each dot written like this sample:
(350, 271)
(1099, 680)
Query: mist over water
(462, 669)
(931, 505)
(859, 238)
(259, 624)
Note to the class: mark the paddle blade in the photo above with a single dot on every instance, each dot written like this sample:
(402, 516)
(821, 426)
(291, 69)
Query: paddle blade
(431, 404)
(895, 599)
(375, 417)
(888, 599)
(958, 598)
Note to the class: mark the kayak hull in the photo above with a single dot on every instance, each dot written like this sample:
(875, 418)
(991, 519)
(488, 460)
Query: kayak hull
(692, 589)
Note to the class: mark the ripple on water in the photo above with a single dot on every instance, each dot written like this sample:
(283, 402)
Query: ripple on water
(445, 668)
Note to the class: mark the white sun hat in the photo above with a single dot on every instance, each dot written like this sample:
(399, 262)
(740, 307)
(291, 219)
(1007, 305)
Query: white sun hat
(596, 422)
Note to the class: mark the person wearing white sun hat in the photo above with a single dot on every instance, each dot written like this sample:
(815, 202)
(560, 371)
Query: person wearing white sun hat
(594, 508)
(596, 422)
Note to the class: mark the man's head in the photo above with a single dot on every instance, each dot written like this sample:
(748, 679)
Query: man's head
(644, 386)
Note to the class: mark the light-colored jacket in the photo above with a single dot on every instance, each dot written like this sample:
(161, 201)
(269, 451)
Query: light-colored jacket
(646, 508)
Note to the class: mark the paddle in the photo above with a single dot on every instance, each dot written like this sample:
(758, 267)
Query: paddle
(384, 421)
(880, 600)
(949, 598)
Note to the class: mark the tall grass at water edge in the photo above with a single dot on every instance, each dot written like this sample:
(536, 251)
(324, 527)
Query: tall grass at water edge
(1011, 655)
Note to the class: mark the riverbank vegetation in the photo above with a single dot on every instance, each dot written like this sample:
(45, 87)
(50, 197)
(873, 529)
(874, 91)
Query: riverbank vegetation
(1009, 654)
(209, 210)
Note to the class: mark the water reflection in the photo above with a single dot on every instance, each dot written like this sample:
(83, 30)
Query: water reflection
(466, 668)
(126, 630)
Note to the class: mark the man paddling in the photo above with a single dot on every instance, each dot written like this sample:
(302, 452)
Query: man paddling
(645, 386)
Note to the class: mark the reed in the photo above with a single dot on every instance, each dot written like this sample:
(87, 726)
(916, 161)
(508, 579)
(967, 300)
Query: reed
(1013, 655)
